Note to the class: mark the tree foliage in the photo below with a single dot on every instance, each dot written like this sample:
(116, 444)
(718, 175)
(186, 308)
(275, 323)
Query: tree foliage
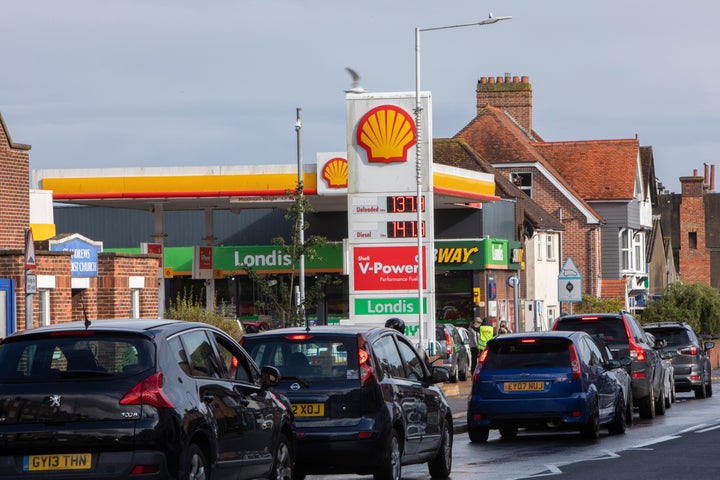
(278, 294)
(189, 308)
(696, 303)
(591, 304)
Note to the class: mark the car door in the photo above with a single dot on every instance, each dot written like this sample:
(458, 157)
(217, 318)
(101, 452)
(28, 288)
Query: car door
(603, 382)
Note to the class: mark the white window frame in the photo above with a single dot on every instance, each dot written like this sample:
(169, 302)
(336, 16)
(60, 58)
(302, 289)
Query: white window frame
(135, 303)
(625, 249)
(550, 247)
(44, 306)
(539, 247)
(638, 245)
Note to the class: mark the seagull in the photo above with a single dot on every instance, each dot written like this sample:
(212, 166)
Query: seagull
(356, 88)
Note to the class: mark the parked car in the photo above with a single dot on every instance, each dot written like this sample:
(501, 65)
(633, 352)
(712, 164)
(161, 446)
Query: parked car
(455, 356)
(625, 337)
(692, 369)
(667, 368)
(545, 380)
(465, 338)
(622, 375)
(147, 398)
(365, 401)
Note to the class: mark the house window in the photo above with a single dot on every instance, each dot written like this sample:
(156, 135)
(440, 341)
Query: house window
(550, 247)
(523, 181)
(638, 257)
(44, 306)
(692, 240)
(625, 249)
(539, 246)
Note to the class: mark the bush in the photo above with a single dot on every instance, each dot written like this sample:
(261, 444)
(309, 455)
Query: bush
(592, 304)
(696, 303)
(190, 309)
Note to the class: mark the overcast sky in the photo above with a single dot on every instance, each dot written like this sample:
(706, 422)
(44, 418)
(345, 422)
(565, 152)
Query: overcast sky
(136, 83)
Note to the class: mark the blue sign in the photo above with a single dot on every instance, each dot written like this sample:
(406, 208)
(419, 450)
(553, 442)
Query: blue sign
(84, 260)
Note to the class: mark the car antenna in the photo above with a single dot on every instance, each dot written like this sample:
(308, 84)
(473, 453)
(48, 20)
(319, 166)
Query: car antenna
(87, 320)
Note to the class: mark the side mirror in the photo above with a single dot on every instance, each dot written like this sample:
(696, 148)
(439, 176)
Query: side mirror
(270, 376)
(708, 345)
(625, 361)
(660, 343)
(440, 375)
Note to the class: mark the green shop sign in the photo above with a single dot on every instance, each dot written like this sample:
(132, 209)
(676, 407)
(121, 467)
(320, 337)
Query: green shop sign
(388, 306)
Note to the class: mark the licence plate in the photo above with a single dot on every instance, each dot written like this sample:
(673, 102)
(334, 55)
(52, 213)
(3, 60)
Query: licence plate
(523, 386)
(65, 461)
(308, 409)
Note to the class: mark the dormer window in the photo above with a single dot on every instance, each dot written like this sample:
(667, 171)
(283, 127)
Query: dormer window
(523, 181)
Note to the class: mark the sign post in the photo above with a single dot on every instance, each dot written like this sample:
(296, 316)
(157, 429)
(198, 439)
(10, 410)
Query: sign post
(30, 278)
(569, 283)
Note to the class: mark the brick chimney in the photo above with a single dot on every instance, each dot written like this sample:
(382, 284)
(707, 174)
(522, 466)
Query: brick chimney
(512, 94)
(694, 258)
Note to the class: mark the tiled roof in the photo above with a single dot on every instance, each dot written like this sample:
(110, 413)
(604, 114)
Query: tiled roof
(457, 153)
(597, 169)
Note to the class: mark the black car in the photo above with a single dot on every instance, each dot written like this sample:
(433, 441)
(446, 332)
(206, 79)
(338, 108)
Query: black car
(155, 399)
(626, 338)
(688, 354)
(364, 400)
(454, 354)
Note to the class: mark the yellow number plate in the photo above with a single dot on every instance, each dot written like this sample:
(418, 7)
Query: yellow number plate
(68, 461)
(523, 386)
(308, 409)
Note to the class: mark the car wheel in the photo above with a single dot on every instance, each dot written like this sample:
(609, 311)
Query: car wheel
(619, 423)
(660, 402)
(283, 466)
(463, 375)
(708, 389)
(454, 374)
(508, 432)
(668, 399)
(591, 430)
(647, 405)
(629, 414)
(478, 434)
(391, 468)
(194, 464)
(440, 466)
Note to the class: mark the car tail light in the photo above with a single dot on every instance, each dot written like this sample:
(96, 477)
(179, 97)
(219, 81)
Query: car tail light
(478, 367)
(448, 344)
(528, 340)
(636, 351)
(299, 336)
(144, 469)
(365, 366)
(584, 318)
(691, 350)
(574, 362)
(148, 392)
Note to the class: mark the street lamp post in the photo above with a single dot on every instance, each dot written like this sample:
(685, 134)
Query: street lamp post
(418, 160)
(301, 220)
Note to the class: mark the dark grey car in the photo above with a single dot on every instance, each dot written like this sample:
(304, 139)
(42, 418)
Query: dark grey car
(454, 354)
(688, 354)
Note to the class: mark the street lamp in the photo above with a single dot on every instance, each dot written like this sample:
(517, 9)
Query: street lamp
(418, 157)
(300, 294)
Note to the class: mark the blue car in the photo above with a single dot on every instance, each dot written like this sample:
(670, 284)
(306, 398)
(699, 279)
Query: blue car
(557, 380)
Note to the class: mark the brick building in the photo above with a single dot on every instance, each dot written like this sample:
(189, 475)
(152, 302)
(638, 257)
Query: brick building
(125, 285)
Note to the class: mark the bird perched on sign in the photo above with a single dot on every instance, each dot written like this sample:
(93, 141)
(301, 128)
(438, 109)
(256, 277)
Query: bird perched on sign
(355, 88)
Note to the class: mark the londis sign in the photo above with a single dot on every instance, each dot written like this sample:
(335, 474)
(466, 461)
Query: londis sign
(386, 268)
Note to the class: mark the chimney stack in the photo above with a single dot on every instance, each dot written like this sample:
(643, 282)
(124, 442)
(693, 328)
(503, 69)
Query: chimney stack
(509, 93)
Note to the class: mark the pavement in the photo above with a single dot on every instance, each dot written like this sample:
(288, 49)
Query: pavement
(457, 397)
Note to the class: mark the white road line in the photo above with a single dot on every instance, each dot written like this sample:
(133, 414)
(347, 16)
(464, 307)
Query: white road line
(657, 440)
(714, 427)
(692, 429)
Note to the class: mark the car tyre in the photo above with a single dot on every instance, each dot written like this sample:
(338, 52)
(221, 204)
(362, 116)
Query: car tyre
(283, 465)
(463, 375)
(619, 423)
(647, 405)
(660, 402)
(478, 434)
(441, 466)
(454, 374)
(700, 391)
(708, 389)
(195, 465)
(591, 430)
(508, 432)
(391, 468)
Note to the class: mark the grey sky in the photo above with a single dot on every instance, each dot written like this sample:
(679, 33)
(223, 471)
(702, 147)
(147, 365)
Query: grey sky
(135, 83)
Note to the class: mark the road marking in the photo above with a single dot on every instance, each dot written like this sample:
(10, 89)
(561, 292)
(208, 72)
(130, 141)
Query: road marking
(714, 427)
(654, 441)
(692, 429)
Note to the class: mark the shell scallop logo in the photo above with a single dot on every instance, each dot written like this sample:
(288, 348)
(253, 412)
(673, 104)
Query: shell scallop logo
(335, 173)
(386, 133)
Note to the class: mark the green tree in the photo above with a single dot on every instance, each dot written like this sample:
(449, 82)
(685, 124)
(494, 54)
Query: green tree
(696, 303)
(591, 304)
(278, 296)
(189, 308)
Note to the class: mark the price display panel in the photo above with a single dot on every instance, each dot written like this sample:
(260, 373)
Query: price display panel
(404, 204)
(404, 229)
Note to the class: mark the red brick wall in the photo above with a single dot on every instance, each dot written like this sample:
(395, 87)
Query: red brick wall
(14, 190)
(694, 262)
(113, 292)
(511, 94)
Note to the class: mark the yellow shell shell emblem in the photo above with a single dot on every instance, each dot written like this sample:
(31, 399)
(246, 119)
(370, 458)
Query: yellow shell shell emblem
(335, 173)
(386, 133)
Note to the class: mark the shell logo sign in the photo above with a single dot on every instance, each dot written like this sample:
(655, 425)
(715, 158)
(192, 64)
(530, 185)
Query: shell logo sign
(335, 173)
(386, 133)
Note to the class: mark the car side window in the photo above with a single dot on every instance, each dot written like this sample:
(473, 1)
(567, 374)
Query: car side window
(236, 364)
(201, 355)
(387, 354)
(595, 353)
(412, 360)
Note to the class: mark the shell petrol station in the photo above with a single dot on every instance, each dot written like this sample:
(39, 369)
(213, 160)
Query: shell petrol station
(375, 182)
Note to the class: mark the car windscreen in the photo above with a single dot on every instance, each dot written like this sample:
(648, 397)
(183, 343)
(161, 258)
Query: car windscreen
(527, 354)
(608, 329)
(70, 355)
(672, 336)
(307, 356)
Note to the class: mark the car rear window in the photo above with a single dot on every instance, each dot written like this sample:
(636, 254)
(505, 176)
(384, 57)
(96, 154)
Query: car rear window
(527, 353)
(307, 356)
(69, 356)
(609, 329)
(672, 336)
